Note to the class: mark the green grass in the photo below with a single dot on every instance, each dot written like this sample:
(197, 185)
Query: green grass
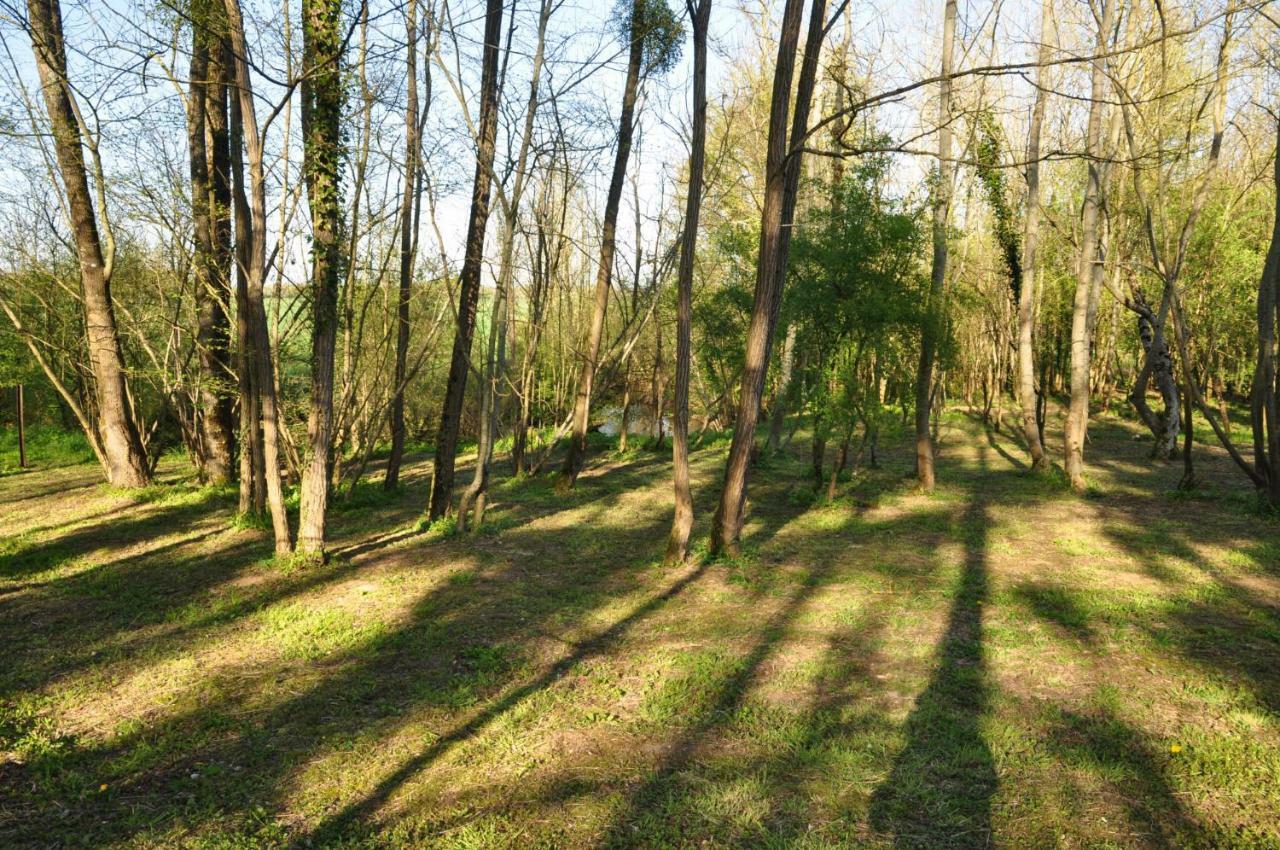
(46, 448)
(1002, 663)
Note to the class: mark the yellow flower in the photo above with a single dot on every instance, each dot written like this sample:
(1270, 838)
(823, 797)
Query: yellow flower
(1175, 748)
(102, 787)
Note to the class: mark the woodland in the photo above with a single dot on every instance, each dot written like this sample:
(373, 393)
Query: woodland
(646, 423)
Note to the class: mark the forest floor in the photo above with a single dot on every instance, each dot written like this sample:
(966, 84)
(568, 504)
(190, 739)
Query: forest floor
(999, 664)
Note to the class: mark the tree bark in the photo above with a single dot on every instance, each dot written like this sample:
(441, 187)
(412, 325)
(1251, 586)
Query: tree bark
(1089, 269)
(782, 178)
(469, 282)
(256, 272)
(1264, 409)
(322, 150)
(1030, 248)
(409, 201)
(608, 243)
(253, 486)
(682, 521)
(125, 457)
(935, 308)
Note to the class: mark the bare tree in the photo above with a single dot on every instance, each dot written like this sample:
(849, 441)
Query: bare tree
(935, 308)
(255, 268)
(410, 205)
(1026, 372)
(682, 522)
(651, 34)
(469, 282)
(1090, 267)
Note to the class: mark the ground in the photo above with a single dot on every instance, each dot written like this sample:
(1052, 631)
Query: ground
(999, 664)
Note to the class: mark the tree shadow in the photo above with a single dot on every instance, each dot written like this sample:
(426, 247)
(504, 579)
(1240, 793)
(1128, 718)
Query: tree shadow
(473, 649)
(939, 790)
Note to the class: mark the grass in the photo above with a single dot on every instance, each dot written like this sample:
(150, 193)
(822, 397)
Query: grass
(998, 664)
(46, 447)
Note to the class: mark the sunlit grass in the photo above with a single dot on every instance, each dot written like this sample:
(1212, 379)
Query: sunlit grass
(1001, 663)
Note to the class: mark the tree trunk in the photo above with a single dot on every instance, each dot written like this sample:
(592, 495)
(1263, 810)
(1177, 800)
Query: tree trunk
(1265, 412)
(469, 281)
(264, 375)
(1030, 248)
(253, 487)
(123, 452)
(935, 308)
(408, 244)
(322, 150)
(215, 326)
(608, 242)
(1089, 268)
(782, 178)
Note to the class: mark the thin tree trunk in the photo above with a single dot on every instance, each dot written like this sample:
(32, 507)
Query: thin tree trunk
(1089, 268)
(257, 269)
(322, 149)
(935, 308)
(469, 282)
(22, 429)
(1030, 249)
(1264, 409)
(126, 458)
(253, 488)
(215, 324)
(608, 243)
(408, 243)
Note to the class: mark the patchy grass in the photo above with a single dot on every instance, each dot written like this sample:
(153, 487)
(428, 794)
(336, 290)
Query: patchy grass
(998, 664)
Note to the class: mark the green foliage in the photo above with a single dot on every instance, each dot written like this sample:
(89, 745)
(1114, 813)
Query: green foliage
(857, 294)
(996, 190)
(661, 29)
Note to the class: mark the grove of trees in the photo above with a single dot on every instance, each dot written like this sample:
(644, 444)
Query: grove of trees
(296, 240)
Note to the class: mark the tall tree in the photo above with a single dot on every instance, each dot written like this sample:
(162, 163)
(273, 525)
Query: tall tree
(652, 33)
(501, 339)
(410, 200)
(469, 279)
(254, 264)
(124, 457)
(1264, 409)
(682, 522)
(209, 152)
(935, 309)
(1026, 372)
(1089, 269)
(782, 180)
(322, 151)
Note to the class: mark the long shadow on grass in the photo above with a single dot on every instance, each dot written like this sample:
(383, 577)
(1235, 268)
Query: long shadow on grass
(938, 793)
(440, 658)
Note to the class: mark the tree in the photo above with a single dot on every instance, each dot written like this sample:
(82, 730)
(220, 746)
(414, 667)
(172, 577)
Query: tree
(1090, 265)
(935, 308)
(254, 265)
(782, 182)
(123, 455)
(410, 203)
(682, 521)
(469, 279)
(1026, 371)
(323, 151)
(653, 35)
